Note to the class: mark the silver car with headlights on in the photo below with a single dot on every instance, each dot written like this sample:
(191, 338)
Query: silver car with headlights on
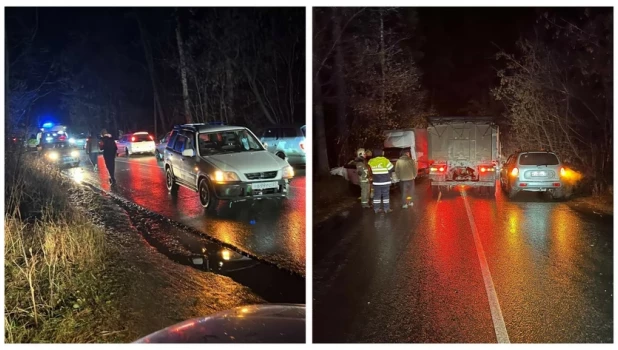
(223, 163)
(62, 154)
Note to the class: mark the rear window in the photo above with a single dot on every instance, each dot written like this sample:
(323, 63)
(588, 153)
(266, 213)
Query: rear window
(140, 138)
(538, 159)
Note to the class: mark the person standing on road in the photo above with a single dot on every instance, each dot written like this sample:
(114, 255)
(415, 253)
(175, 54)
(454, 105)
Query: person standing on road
(92, 151)
(406, 170)
(381, 168)
(363, 177)
(109, 148)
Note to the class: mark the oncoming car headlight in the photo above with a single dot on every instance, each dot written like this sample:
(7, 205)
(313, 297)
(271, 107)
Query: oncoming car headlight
(53, 155)
(224, 176)
(74, 154)
(288, 172)
(71, 140)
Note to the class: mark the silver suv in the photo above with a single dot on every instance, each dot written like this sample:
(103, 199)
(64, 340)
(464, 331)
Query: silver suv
(533, 172)
(223, 163)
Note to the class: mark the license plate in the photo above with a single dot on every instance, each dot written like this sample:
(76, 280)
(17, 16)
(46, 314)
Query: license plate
(539, 173)
(264, 185)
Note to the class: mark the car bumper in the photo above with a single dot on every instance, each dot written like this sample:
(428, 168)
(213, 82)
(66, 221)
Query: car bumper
(537, 186)
(64, 161)
(246, 191)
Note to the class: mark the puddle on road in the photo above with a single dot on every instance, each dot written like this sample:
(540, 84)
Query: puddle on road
(187, 246)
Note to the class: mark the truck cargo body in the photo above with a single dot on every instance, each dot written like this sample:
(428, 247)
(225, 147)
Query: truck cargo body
(413, 140)
(463, 151)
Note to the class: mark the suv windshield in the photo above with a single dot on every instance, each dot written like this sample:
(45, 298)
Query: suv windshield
(229, 141)
(538, 159)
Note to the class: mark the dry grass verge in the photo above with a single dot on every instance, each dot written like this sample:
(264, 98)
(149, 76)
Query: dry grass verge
(54, 263)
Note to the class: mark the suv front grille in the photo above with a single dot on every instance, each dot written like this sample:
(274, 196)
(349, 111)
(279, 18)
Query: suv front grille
(259, 176)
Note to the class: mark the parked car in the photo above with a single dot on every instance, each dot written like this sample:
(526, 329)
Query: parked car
(138, 142)
(270, 323)
(223, 163)
(78, 140)
(160, 147)
(61, 153)
(534, 172)
(287, 142)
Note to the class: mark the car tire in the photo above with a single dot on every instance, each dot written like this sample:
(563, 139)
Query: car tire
(208, 199)
(170, 181)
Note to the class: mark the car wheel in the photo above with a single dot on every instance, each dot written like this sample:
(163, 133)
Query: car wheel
(208, 200)
(170, 181)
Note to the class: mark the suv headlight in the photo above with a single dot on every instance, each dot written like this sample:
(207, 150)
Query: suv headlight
(224, 176)
(52, 155)
(287, 172)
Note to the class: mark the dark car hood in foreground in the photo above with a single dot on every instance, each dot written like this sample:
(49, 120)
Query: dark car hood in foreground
(269, 323)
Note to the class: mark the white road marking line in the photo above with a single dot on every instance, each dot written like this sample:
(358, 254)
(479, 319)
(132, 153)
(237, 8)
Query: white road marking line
(494, 304)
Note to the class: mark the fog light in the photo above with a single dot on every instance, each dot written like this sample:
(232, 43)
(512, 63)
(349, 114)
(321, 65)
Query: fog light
(225, 254)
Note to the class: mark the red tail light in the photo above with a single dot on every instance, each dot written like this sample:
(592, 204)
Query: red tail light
(441, 169)
(62, 138)
(483, 170)
(515, 172)
(133, 139)
(151, 138)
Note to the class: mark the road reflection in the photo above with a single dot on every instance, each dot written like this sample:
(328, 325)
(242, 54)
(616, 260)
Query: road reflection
(270, 229)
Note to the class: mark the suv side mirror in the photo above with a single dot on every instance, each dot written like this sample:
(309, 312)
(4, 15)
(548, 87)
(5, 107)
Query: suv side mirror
(188, 153)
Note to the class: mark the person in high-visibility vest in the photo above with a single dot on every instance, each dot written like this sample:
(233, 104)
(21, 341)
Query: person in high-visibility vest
(381, 168)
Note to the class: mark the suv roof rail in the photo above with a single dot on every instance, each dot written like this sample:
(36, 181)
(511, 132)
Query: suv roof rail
(194, 125)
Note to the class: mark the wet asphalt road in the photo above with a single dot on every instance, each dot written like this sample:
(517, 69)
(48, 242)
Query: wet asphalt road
(273, 230)
(415, 275)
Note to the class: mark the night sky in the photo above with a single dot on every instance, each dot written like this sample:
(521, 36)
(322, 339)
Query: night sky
(57, 28)
(460, 46)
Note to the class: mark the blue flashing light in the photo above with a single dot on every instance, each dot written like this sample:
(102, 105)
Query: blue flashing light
(48, 125)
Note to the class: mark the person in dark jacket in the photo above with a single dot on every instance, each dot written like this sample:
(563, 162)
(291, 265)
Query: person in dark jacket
(109, 148)
(92, 150)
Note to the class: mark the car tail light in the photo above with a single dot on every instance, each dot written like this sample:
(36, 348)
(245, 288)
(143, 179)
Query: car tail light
(483, 169)
(563, 172)
(133, 139)
(302, 145)
(151, 138)
(556, 184)
(62, 138)
(515, 172)
(438, 169)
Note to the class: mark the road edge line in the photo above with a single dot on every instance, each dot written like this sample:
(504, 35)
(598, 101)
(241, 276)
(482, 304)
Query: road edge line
(494, 305)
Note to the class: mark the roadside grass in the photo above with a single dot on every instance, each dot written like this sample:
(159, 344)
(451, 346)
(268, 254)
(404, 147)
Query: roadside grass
(603, 204)
(332, 195)
(56, 289)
